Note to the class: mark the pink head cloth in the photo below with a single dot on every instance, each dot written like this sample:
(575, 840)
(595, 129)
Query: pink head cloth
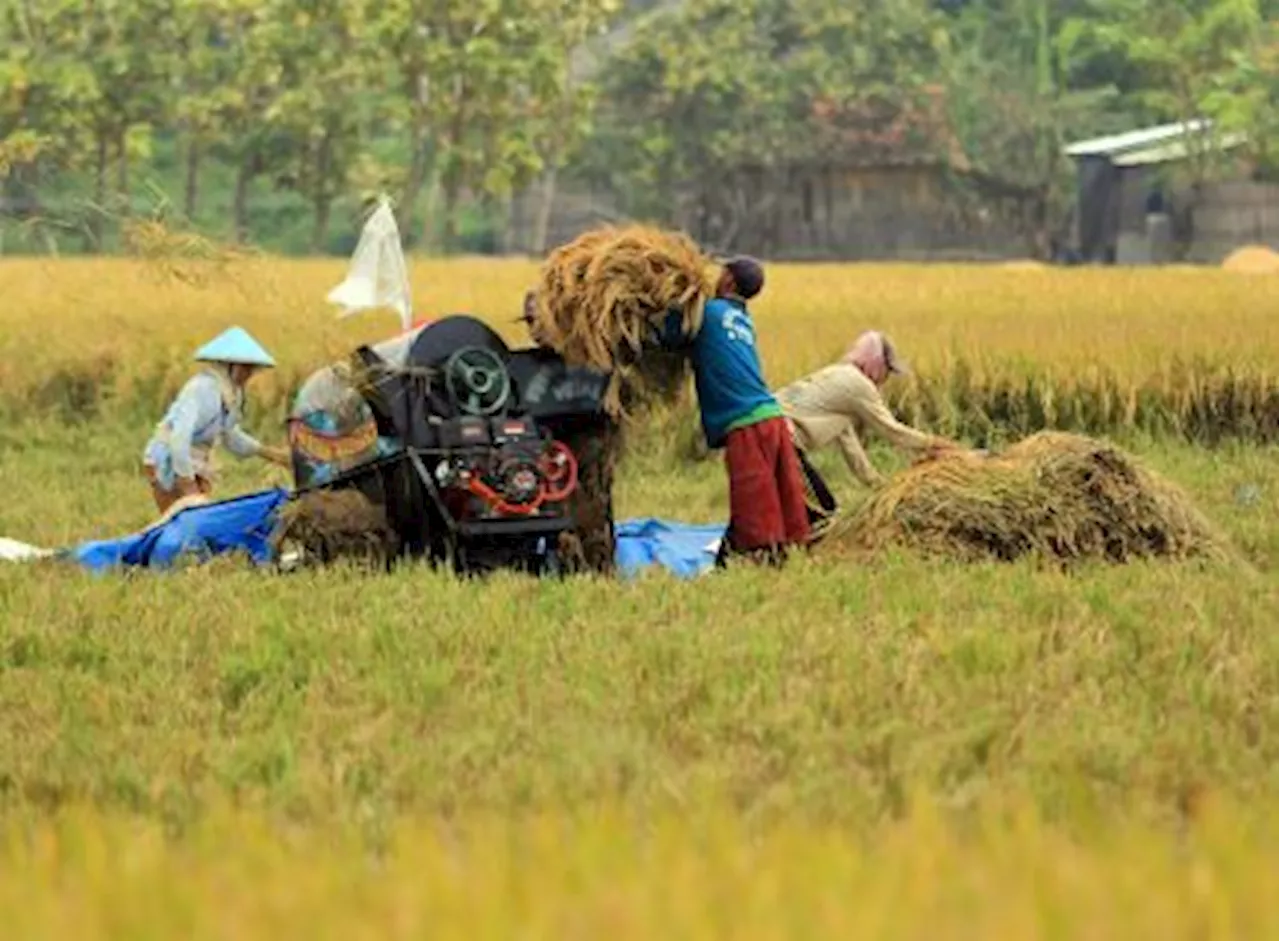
(873, 353)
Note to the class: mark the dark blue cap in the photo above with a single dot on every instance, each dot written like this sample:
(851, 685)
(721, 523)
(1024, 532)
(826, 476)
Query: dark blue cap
(748, 275)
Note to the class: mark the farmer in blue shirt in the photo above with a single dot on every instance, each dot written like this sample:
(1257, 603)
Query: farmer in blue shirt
(767, 508)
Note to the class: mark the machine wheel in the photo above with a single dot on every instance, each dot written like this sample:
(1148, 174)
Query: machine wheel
(477, 380)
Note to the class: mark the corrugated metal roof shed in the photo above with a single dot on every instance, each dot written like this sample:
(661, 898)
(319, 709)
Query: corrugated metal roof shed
(1176, 149)
(1143, 140)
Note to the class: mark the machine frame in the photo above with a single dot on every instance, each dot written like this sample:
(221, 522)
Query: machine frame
(461, 445)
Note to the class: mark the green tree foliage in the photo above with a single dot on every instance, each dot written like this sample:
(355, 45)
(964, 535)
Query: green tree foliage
(477, 93)
(1244, 98)
(713, 102)
(1177, 51)
(82, 86)
(693, 110)
(1193, 59)
(46, 88)
(1017, 92)
(718, 102)
(562, 101)
(483, 89)
(321, 109)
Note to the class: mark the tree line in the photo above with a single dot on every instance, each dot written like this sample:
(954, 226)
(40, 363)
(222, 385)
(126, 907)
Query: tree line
(234, 114)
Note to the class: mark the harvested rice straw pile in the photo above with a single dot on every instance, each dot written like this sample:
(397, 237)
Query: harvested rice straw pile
(333, 525)
(1061, 497)
(1252, 259)
(601, 298)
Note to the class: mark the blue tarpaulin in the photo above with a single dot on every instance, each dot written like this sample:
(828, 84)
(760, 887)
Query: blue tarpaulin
(240, 523)
(684, 549)
(244, 523)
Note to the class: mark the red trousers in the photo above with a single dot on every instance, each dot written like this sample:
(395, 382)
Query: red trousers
(767, 507)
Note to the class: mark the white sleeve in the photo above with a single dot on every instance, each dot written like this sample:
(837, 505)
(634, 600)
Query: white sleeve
(240, 443)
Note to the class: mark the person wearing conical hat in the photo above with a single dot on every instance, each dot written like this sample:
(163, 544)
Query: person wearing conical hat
(177, 461)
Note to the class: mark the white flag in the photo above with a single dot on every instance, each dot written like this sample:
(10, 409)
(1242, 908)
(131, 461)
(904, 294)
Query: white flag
(377, 276)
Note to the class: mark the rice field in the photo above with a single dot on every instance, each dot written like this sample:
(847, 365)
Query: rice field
(901, 748)
(996, 350)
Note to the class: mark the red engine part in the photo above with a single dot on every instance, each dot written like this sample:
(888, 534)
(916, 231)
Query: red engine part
(499, 503)
(559, 467)
(559, 478)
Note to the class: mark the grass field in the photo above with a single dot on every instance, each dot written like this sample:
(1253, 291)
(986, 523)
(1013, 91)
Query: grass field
(903, 749)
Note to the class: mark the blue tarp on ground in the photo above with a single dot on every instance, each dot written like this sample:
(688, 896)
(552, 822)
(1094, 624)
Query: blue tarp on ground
(684, 549)
(239, 523)
(244, 523)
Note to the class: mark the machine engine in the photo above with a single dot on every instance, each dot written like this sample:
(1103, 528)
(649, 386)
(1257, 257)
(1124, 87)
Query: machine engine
(463, 443)
(503, 467)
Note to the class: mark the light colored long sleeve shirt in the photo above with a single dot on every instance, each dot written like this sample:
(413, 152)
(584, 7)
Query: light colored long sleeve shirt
(206, 410)
(833, 404)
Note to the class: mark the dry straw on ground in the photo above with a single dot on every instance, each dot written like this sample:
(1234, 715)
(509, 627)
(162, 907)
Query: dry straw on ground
(1057, 496)
(1024, 264)
(601, 299)
(1253, 259)
(336, 525)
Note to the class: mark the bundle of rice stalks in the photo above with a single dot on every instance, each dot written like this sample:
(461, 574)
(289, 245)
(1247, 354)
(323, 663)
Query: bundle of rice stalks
(332, 525)
(602, 298)
(1061, 497)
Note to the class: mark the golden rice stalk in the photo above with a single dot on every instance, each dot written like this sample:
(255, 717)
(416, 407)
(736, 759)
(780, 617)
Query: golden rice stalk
(602, 298)
(183, 256)
(1056, 496)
